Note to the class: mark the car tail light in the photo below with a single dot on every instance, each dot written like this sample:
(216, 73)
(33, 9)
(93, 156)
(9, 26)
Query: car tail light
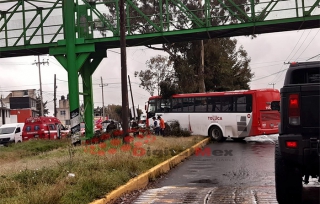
(291, 144)
(294, 109)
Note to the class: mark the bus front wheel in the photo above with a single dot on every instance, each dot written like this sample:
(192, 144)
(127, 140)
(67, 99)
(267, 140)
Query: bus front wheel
(216, 134)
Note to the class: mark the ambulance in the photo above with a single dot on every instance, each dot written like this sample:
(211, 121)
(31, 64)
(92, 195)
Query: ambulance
(44, 128)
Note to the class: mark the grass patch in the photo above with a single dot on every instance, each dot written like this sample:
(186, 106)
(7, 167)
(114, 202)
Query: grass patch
(29, 148)
(95, 174)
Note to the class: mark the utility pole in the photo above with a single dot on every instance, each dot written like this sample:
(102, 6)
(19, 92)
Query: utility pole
(202, 86)
(124, 84)
(272, 84)
(55, 96)
(2, 113)
(102, 85)
(134, 111)
(39, 66)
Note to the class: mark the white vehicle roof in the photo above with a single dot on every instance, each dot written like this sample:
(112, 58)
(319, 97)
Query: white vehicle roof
(12, 125)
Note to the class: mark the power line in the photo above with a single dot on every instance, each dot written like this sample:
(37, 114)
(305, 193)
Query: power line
(278, 76)
(300, 45)
(308, 44)
(313, 57)
(269, 75)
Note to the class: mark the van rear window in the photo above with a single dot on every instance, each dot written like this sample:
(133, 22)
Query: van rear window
(306, 76)
(36, 127)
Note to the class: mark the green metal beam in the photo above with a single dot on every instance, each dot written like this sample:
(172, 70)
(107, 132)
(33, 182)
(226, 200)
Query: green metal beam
(190, 14)
(42, 22)
(25, 30)
(264, 13)
(81, 59)
(229, 9)
(308, 13)
(96, 60)
(100, 16)
(88, 99)
(129, 2)
(12, 13)
(241, 11)
(62, 60)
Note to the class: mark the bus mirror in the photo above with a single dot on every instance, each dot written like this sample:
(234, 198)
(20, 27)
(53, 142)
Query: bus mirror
(145, 107)
(275, 105)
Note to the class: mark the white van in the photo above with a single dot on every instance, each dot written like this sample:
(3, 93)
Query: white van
(11, 133)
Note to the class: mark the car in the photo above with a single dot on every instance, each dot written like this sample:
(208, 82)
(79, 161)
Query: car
(11, 133)
(297, 152)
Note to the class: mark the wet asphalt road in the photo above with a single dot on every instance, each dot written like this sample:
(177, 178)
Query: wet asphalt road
(228, 172)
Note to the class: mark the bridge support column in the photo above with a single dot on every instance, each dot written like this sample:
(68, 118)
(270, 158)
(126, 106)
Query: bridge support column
(76, 57)
(86, 72)
(70, 37)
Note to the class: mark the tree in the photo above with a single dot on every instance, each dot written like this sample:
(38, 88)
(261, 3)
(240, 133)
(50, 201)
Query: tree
(38, 106)
(168, 88)
(114, 112)
(159, 69)
(225, 68)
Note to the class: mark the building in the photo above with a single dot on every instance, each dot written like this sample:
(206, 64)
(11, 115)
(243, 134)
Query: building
(4, 115)
(22, 104)
(63, 111)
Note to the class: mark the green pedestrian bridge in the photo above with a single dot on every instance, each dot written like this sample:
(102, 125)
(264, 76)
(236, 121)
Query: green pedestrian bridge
(78, 32)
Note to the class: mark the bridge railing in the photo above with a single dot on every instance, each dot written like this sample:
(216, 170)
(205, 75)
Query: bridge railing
(35, 23)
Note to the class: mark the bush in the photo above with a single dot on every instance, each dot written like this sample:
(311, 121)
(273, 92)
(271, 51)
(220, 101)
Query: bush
(173, 128)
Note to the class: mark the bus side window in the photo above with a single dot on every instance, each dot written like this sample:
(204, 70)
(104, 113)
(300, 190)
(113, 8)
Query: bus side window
(158, 106)
(241, 104)
(227, 104)
(176, 105)
(249, 103)
(214, 104)
(191, 104)
(200, 104)
(165, 105)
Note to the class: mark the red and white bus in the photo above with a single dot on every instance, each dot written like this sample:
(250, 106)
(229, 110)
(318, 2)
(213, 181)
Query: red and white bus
(233, 114)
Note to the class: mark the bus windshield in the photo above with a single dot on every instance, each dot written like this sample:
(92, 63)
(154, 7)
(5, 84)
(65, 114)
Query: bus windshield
(152, 106)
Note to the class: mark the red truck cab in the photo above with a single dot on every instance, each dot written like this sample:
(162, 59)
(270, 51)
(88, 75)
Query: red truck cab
(44, 128)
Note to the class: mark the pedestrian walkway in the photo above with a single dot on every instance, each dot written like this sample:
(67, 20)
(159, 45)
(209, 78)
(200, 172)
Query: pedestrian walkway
(206, 195)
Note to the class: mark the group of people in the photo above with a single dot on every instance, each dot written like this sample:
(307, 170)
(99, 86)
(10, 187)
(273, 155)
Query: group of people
(159, 125)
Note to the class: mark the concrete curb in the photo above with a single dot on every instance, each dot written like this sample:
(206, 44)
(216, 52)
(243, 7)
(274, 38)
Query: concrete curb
(142, 180)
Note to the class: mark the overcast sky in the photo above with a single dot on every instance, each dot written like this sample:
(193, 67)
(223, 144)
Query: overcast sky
(268, 52)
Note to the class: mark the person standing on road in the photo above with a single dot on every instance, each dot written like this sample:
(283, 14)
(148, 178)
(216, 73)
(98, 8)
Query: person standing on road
(162, 125)
(156, 124)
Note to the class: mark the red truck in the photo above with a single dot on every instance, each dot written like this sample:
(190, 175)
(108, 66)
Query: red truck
(43, 128)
